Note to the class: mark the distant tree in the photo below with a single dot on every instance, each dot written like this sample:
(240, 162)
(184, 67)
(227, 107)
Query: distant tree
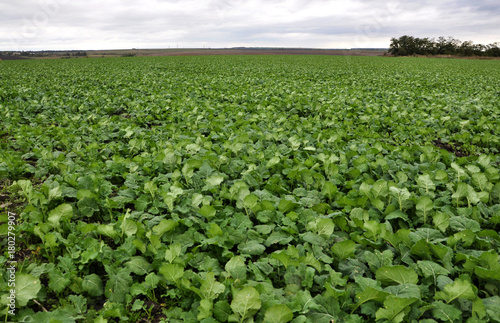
(466, 48)
(493, 50)
(394, 47)
(402, 46)
(409, 45)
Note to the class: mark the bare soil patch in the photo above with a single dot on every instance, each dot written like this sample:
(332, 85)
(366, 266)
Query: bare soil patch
(456, 148)
(207, 51)
(10, 58)
(284, 51)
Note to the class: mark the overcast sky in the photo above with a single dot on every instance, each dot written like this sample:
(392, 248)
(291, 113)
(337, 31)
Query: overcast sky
(120, 24)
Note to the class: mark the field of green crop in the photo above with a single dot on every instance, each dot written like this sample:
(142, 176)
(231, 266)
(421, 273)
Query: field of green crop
(250, 189)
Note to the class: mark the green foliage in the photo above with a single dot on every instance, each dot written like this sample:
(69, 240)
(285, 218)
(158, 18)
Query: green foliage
(246, 303)
(251, 189)
(27, 288)
(409, 45)
(279, 313)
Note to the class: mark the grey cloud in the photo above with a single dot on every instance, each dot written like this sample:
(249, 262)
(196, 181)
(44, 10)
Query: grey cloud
(77, 24)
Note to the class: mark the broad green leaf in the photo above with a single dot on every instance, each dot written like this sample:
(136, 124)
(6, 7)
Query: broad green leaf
(50, 240)
(88, 206)
(461, 174)
(492, 305)
(55, 193)
(379, 189)
(92, 284)
(402, 196)
(210, 288)
(325, 227)
(425, 182)
(472, 196)
(165, 225)
(196, 199)
(473, 169)
(205, 309)
(66, 314)
(172, 272)
(173, 251)
(459, 289)
(139, 265)
(151, 281)
(322, 309)
(489, 267)
(279, 313)
(330, 189)
(429, 235)
(27, 288)
(495, 193)
(207, 211)
(397, 215)
(246, 302)
(169, 201)
(214, 230)
(395, 309)
(446, 312)
(295, 142)
(285, 259)
(252, 247)
(378, 259)
(214, 180)
(424, 207)
(278, 237)
(402, 177)
(80, 303)
(63, 212)
(27, 188)
(108, 230)
(431, 269)
(236, 267)
(404, 291)
(311, 260)
(128, 227)
(459, 223)
(250, 201)
(58, 281)
(222, 310)
(481, 182)
(286, 205)
(370, 294)
(313, 238)
(138, 305)
(484, 160)
(373, 229)
(151, 188)
(273, 161)
(479, 309)
(344, 249)
(366, 190)
(460, 192)
(118, 284)
(396, 274)
(379, 204)
(441, 221)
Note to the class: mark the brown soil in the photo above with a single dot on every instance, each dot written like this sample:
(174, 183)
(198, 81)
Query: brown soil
(456, 148)
(10, 58)
(156, 312)
(284, 51)
(203, 51)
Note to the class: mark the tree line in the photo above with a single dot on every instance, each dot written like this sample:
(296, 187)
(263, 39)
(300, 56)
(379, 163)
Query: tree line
(409, 45)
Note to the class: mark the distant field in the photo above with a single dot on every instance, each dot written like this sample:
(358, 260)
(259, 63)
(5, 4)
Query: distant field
(193, 52)
(250, 189)
(196, 52)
